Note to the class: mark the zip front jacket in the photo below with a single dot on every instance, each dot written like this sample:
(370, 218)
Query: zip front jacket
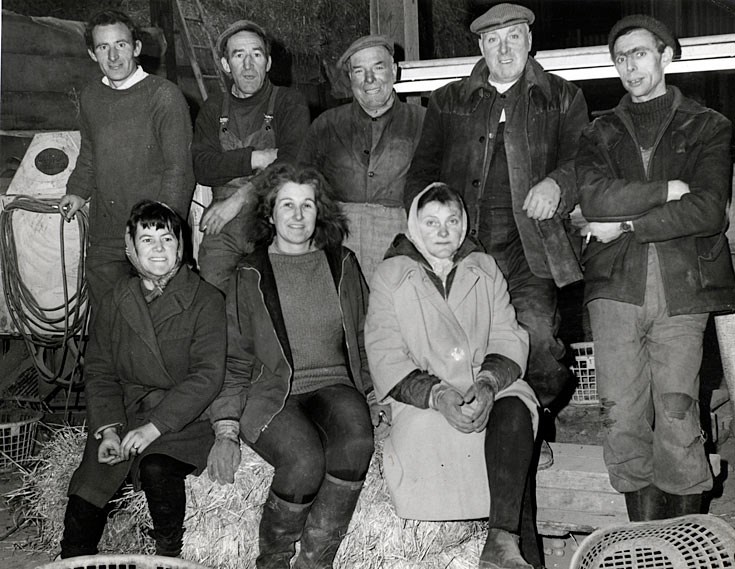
(259, 362)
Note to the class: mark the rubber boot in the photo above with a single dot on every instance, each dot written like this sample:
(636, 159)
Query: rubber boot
(648, 503)
(281, 527)
(84, 524)
(678, 505)
(501, 551)
(327, 524)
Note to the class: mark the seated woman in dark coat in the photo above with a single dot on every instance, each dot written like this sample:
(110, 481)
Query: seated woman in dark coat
(155, 361)
(297, 377)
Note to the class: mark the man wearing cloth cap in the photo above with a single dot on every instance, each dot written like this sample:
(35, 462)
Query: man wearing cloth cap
(654, 179)
(237, 135)
(506, 138)
(364, 149)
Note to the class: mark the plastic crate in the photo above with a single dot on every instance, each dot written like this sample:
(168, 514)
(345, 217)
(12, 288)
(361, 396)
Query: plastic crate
(689, 542)
(584, 369)
(17, 436)
(102, 561)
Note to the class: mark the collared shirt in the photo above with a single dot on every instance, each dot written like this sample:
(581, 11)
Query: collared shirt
(365, 159)
(133, 79)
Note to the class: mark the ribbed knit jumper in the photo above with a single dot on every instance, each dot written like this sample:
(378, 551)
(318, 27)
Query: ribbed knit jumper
(311, 313)
(648, 118)
(135, 145)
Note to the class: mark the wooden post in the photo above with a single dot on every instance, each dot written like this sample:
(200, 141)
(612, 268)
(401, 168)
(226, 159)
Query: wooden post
(162, 16)
(399, 20)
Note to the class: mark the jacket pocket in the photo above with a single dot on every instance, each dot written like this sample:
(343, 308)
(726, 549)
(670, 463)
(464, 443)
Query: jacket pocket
(599, 259)
(715, 263)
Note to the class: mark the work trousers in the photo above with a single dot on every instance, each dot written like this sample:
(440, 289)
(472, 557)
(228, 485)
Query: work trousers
(647, 369)
(535, 302)
(323, 431)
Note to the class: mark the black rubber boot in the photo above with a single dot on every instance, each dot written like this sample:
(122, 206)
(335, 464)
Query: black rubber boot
(327, 524)
(678, 505)
(648, 503)
(281, 527)
(84, 524)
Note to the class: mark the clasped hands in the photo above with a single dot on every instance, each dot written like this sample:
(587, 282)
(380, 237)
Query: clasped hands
(467, 413)
(112, 450)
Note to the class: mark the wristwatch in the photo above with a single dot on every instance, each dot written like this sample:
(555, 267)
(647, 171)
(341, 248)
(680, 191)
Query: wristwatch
(626, 226)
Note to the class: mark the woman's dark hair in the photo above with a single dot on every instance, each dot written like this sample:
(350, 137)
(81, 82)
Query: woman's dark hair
(108, 18)
(442, 193)
(331, 224)
(158, 215)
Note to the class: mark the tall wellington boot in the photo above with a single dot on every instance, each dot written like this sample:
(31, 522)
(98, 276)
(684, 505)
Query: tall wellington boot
(678, 505)
(648, 503)
(280, 528)
(327, 523)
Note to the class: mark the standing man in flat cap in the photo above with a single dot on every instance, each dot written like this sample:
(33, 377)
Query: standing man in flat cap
(506, 138)
(654, 179)
(237, 135)
(364, 149)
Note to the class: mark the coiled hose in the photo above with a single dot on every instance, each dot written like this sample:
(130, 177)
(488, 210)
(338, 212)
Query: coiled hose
(42, 327)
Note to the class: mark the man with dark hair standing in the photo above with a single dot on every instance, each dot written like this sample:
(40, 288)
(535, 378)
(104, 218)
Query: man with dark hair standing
(237, 135)
(654, 179)
(136, 137)
(364, 149)
(506, 138)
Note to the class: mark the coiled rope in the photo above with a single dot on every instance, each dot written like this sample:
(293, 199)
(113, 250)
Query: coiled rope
(57, 327)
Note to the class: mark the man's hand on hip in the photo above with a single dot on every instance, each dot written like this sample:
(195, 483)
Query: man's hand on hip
(542, 200)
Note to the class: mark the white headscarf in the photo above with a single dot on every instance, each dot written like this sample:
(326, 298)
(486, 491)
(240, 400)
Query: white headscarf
(441, 267)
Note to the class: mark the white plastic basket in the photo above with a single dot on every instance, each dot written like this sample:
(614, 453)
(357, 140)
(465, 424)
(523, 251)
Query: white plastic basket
(584, 369)
(17, 436)
(102, 561)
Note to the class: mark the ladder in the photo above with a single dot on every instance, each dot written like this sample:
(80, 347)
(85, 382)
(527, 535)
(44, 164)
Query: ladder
(197, 40)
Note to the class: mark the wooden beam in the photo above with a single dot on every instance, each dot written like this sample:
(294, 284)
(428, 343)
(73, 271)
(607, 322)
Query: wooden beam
(399, 20)
(162, 16)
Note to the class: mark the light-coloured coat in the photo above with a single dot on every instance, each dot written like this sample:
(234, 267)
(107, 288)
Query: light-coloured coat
(433, 471)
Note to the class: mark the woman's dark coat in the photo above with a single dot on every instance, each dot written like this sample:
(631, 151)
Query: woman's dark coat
(161, 363)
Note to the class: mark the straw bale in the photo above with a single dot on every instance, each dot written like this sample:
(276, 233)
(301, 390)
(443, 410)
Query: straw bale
(222, 521)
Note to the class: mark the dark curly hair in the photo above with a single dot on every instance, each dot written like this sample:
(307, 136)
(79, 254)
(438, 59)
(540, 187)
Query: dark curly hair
(108, 18)
(331, 223)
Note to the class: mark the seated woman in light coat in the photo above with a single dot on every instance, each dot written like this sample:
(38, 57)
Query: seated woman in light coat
(446, 351)
(155, 361)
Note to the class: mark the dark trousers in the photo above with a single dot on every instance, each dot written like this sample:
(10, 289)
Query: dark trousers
(324, 431)
(535, 302)
(509, 452)
(162, 480)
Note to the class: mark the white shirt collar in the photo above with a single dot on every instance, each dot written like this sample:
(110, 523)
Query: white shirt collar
(133, 79)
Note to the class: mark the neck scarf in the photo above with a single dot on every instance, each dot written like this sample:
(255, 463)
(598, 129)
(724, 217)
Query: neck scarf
(441, 267)
(158, 282)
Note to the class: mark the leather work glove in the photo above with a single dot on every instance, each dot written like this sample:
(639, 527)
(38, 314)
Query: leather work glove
(224, 458)
(380, 415)
(448, 401)
(482, 393)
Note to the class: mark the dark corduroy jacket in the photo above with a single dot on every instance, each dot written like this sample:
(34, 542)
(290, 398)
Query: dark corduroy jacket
(689, 233)
(259, 362)
(455, 149)
(163, 364)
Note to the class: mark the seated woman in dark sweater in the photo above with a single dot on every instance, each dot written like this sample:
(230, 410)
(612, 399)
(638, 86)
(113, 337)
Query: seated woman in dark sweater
(297, 380)
(155, 361)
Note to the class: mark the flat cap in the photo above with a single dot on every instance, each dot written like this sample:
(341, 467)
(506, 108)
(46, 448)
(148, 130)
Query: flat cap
(502, 16)
(641, 21)
(239, 26)
(363, 43)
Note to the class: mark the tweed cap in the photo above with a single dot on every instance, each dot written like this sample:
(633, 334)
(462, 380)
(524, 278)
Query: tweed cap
(239, 26)
(502, 16)
(363, 43)
(638, 21)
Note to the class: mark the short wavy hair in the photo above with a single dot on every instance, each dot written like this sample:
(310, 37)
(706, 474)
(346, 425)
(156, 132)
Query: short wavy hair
(331, 223)
(157, 215)
(108, 18)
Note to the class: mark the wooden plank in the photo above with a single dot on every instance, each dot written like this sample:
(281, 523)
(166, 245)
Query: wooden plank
(580, 500)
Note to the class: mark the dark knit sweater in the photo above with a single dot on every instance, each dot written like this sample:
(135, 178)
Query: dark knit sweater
(311, 313)
(214, 166)
(135, 145)
(648, 118)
